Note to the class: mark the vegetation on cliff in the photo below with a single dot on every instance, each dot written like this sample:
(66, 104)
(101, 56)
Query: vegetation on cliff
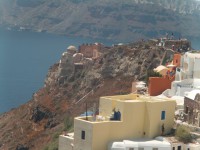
(38, 123)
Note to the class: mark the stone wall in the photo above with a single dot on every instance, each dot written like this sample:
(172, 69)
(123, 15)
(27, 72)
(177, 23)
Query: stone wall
(91, 50)
(191, 110)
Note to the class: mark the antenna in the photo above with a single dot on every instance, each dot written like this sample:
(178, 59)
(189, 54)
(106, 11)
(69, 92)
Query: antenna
(86, 112)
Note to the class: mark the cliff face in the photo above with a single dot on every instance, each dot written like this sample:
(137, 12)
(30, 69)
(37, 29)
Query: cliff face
(115, 20)
(69, 85)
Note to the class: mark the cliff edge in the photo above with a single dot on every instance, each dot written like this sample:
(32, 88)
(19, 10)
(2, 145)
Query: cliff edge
(80, 76)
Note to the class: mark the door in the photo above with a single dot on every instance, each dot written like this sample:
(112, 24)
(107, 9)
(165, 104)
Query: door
(179, 147)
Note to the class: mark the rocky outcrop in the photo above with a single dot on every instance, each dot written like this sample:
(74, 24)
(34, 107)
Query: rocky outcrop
(39, 113)
(22, 147)
(38, 122)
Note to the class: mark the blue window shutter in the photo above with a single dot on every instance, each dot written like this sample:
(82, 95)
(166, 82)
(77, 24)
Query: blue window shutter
(163, 115)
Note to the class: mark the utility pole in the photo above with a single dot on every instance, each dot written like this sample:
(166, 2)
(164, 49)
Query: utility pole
(86, 115)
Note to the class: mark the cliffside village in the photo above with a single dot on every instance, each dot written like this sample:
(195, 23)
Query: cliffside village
(146, 118)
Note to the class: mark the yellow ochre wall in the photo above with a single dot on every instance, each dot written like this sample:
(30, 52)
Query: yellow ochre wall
(79, 126)
(139, 116)
(102, 134)
(154, 121)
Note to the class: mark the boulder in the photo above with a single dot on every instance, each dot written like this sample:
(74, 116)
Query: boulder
(21, 147)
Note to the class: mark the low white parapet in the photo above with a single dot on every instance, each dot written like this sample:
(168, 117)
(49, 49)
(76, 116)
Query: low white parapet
(66, 142)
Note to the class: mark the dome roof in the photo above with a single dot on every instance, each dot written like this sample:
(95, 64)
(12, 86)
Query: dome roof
(71, 50)
(71, 47)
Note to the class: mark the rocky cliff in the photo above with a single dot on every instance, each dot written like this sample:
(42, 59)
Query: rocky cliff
(71, 83)
(114, 20)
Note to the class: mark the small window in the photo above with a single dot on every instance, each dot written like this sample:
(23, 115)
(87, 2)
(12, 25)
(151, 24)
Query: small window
(131, 148)
(163, 115)
(140, 148)
(179, 147)
(83, 135)
(186, 110)
(155, 148)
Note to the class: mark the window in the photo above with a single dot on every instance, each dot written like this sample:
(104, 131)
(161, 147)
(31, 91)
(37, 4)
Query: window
(140, 148)
(186, 110)
(179, 147)
(131, 148)
(155, 148)
(188, 149)
(83, 135)
(163, 115)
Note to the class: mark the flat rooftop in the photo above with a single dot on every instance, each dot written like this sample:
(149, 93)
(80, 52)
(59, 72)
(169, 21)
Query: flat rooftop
(136, 97)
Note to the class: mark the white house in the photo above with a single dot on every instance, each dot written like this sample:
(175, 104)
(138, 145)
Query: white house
(189, 68)
(158, 143)
(187, 76)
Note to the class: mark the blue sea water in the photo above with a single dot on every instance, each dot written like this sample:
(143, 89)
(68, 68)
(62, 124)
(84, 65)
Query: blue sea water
(195, 42)
(25, 58)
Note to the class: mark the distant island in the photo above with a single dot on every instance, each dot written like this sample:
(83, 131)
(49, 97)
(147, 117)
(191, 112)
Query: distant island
(85, 73)
(120, 21)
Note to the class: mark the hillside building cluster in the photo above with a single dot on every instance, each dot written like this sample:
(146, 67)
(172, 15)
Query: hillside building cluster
(91, 50)
(143, 121)
(74, 59)
(141, 117)
(85, 51)
(180, 81)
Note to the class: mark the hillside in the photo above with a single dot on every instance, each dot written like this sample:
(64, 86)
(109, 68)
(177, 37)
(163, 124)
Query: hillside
(114, 20)
(38, 123)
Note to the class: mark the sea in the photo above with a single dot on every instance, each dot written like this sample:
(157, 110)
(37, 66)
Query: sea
(25, 58)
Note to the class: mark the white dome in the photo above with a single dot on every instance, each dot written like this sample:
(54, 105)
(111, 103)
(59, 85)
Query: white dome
(71, 47)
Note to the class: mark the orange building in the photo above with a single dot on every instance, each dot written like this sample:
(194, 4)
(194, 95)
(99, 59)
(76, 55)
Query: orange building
(177, 60)
(157, 85)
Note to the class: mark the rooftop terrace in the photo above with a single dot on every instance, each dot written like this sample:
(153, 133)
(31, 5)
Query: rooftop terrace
(135, 97)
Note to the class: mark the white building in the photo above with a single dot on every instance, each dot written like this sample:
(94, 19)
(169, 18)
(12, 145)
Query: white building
(177, 145)
(187, 77)
(189, 68)
(179, 88)
(158, 143)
